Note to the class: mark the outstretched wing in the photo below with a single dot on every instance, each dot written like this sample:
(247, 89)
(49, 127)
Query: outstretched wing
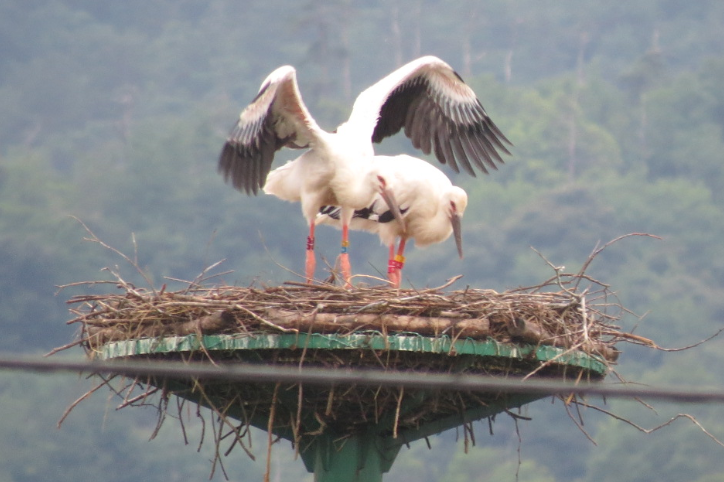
(277, 117)
(438, 111)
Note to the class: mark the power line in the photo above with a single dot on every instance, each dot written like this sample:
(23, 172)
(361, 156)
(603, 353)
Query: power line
(245, 372)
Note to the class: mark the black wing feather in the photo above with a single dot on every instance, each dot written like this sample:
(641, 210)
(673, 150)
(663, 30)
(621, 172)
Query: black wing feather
(476, 152)
(369, 213)
(460, 155)
(248, 153)
(394, 112)
(458, 133)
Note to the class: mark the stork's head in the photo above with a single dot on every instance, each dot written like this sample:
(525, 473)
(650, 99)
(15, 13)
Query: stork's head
(455, 201)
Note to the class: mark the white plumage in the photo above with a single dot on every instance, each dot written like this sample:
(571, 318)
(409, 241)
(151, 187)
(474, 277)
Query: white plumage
(432, 209)
(437, 110)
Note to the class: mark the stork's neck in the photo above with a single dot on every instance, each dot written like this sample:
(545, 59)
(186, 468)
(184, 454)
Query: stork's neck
(355, 140)
(355, 180)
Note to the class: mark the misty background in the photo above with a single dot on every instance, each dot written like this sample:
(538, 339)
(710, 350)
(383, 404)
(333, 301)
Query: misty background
(114, 113)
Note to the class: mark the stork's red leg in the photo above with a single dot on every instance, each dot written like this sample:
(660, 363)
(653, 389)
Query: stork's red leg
(311, 262)
(391, 270)
(344, 256)
(399, 263)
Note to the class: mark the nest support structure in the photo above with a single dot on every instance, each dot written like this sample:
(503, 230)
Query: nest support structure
(355, 432)
(350, 432)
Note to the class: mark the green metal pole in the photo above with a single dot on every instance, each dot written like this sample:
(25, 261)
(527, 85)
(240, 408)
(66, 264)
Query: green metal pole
(357, 458)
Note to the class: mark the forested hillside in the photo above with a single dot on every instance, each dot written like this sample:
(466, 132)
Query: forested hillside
(113, 114)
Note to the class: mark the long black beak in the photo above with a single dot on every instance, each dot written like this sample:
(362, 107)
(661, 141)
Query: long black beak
(389, 198)
(457, 232)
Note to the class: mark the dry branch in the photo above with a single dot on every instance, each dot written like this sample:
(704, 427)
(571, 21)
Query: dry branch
(333, 322)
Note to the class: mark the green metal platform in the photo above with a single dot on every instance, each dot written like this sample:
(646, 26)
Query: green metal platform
(367, 452)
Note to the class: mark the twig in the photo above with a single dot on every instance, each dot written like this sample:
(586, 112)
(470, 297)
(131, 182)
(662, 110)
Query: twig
(270, 431)
(64, 347)
(396, 423)
(263, 321)
(134, 263)
(82, 397)
(658, 427)
(691, 346)
(598, 251)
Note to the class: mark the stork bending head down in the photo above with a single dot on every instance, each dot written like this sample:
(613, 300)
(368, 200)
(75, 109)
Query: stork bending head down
(431, 207)
(425, 98)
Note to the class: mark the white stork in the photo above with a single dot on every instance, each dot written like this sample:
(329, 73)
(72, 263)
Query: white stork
(426, 97)
(431, 207)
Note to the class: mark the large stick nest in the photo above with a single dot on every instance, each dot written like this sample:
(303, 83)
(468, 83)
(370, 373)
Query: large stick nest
(556, 312)
(562, 318)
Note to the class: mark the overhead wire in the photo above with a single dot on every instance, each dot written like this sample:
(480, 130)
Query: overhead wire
(254, 373)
